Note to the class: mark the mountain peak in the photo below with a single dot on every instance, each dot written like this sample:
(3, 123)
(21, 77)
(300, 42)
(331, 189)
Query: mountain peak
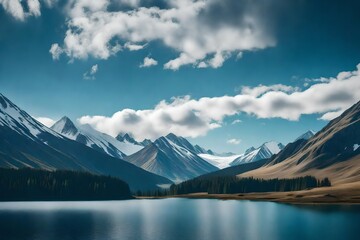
(249, 150)
(266, 150)
(65, 119)
(172, 136)
(273, 146)
(65, 126)
(146, 142)
(126, 137)
(307, 135)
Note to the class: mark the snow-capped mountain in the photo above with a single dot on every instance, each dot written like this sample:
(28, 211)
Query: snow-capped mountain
(126, 138)
(331, 153)
(172, 158)
(183, 142)
(25, 142)
(306, 136)
(88, 136)
(255, 154)
(19, 121)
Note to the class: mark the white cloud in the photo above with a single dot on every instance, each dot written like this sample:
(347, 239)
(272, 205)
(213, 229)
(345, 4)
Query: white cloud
(236, 121)
(261, 89)
(234, 141)
(192, 118)
(186, 26)
(90, 75)
(34, 7)
(45, 120)
(331, 115)
(55, 51)
(16, 9)
(148, 62)
(134, 47)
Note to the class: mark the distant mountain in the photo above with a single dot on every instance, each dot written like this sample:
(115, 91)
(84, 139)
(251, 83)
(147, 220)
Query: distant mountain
(235, 170)
(220, 162)
(172, 158)
(333, 152)
(287, 151)
(309, 134)
(126, 138)
(88, 136)
(25, 142)
(252, 154)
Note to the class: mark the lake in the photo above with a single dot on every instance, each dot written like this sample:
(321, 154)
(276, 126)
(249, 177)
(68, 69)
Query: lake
(176, 219)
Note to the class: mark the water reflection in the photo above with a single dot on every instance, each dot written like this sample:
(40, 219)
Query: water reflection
(176, 219)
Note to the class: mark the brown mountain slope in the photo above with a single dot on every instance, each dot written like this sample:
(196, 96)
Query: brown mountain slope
(333, 152)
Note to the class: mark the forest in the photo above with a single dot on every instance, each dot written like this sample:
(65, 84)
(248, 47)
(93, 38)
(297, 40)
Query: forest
(230, 185)
(39, 185)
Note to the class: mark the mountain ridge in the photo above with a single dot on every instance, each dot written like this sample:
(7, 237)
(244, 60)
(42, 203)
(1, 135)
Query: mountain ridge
(27, 143)
(170, 157)
(329, 153)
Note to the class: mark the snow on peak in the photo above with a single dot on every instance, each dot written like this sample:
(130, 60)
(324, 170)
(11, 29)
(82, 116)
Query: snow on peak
(87, 135)
(21, 122)
(265, 151)
(309, 134)
(273, 146)
(66, 127)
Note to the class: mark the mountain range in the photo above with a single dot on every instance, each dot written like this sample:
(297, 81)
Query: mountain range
(102, 142)
(172, 157)
(25, 142)
(333, 152)
(252, 154)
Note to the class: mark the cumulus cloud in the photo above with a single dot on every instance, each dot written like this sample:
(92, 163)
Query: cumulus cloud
(55, 51)
(204, 33)
(234, 141)
(148, 62)
(29, 8)
(192, 118)
(90, 75)
(45, 121)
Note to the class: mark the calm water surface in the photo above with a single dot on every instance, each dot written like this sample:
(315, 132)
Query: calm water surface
(176, 219)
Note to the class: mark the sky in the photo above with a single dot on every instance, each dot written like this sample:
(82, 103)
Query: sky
(226, 74)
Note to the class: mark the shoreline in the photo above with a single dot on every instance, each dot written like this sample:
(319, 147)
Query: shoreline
(346, 194)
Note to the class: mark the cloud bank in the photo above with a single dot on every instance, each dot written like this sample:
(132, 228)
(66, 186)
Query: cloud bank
(204, 33)
(192, 118)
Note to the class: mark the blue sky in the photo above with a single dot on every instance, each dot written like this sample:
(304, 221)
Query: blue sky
(299, 45)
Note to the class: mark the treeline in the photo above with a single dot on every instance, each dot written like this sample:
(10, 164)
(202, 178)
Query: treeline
(37, 185)
(229, 185)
